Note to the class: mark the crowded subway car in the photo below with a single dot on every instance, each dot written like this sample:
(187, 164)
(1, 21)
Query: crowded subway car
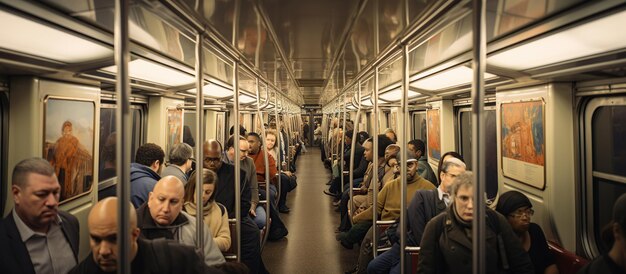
(359, 136)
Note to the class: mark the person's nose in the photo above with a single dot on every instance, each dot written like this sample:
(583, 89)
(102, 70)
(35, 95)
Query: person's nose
(105, 248)
(52, 200)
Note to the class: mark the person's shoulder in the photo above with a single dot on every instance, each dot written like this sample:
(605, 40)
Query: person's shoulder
(67, 217)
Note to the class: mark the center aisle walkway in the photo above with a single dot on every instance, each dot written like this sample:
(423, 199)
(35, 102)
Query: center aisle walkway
(310, 246)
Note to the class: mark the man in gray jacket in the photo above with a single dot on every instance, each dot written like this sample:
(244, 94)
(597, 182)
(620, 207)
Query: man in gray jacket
(162, 217)
(180, 162)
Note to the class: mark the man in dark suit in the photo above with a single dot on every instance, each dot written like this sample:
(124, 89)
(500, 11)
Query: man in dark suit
(36, 236)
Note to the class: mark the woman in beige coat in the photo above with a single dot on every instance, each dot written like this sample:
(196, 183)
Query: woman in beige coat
(215, 214)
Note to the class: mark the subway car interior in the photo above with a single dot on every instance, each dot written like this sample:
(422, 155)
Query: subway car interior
(508, 112)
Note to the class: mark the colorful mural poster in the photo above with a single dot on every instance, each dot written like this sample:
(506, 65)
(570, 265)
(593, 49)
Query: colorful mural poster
(523, 142)
(434, 140)
(174, 128)
(69, 143)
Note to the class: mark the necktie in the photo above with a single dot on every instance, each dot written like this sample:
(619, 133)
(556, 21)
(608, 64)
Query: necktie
(446, 199)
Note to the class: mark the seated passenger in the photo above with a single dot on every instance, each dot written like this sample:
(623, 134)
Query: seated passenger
(287, 179)
(180, 162)
(388, 204)
(144, 172)
(225, 194)
(516, 207)
(390, 171)
(37, 237)
(277, 227)
(613, 262)
(147, 256)
(215, 214)
(424, 169)
(335, 186)
(248, 166)
(445, 157)
(365, 185)
(391, 135)
(161, 217)
(424, 205)
(446, 246)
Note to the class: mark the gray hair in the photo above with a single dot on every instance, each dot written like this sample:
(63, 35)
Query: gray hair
(452, 162)
(465, 179)
(180, 153)
(28, 166)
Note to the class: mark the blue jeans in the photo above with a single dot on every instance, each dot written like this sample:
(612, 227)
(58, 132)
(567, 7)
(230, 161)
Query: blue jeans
(261, 217)
(388, 262)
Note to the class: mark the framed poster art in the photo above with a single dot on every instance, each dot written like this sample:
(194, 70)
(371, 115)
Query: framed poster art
(434, 133)
(219, 127)
(69, 143)
(523, 142)
(174, 128)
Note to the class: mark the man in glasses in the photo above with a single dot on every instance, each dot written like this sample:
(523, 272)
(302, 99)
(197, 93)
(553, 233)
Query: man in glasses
(225, 194)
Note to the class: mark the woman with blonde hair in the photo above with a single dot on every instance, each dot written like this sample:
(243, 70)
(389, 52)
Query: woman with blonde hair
(215, 214)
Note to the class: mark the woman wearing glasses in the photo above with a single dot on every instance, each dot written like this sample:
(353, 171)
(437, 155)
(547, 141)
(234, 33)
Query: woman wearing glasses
(516, 207)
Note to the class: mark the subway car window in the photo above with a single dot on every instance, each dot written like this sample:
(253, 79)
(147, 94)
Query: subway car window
(419, 126)
(608, 175)
(465, 145)
(3, 139)
(106, 165)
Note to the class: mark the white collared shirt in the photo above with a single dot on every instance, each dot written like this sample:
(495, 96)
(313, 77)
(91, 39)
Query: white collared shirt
(49, 252)
(445, 199)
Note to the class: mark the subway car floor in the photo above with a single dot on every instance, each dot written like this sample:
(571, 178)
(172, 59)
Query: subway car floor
(310, 246)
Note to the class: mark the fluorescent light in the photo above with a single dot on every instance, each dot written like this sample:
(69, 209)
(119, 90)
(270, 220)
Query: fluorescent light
(213, 90)
(396, 95)
(367, 102)
(602, 35)
(152, 72)
(245, 99)
(40, 40)
(448, 78)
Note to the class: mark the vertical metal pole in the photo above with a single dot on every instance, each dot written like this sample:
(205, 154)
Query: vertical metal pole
(237, 161)
(265, 156)
(478, 135)
(375, 159)
(123, 138)
(199, 136)
(279, 161)
(343, 143)
(404, 110)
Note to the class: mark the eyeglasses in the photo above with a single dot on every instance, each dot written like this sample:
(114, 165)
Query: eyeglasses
(521, 212)
(451, 175)
(464, 198)
(212, 159)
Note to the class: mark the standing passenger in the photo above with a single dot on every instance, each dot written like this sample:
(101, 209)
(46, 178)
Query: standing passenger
(180, 162)
(36, 236)
(144, 172)
(613, 262)
(446, 246)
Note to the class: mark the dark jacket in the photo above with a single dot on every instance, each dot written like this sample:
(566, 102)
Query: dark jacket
(142, 181)
(14, 257)
(359, 171)
(358, 155)
(446, 248)
(425, 171)
(424, 206)
(156, 256)
(225, 190)
(603, 264)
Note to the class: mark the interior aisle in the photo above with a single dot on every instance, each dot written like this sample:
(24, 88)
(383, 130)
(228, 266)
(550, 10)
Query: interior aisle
(310, 246)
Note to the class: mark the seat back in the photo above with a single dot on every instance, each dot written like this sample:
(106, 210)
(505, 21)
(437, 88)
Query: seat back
(412, 256)
(231, 254)
(567, 262)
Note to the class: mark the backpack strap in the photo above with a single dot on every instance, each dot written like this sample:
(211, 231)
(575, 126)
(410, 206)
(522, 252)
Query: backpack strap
(222, 208)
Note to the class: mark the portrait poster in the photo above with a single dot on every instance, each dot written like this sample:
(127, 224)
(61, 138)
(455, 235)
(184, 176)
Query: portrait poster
(434, 140)
(523, 142)
(69, 144)
(174, 128)
(219, 127)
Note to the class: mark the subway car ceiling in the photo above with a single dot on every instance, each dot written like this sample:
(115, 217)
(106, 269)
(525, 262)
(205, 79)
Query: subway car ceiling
(310, 53)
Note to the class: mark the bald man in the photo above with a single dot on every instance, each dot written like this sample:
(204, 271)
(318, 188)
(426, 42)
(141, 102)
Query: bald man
(146, 256)
(162, 217)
